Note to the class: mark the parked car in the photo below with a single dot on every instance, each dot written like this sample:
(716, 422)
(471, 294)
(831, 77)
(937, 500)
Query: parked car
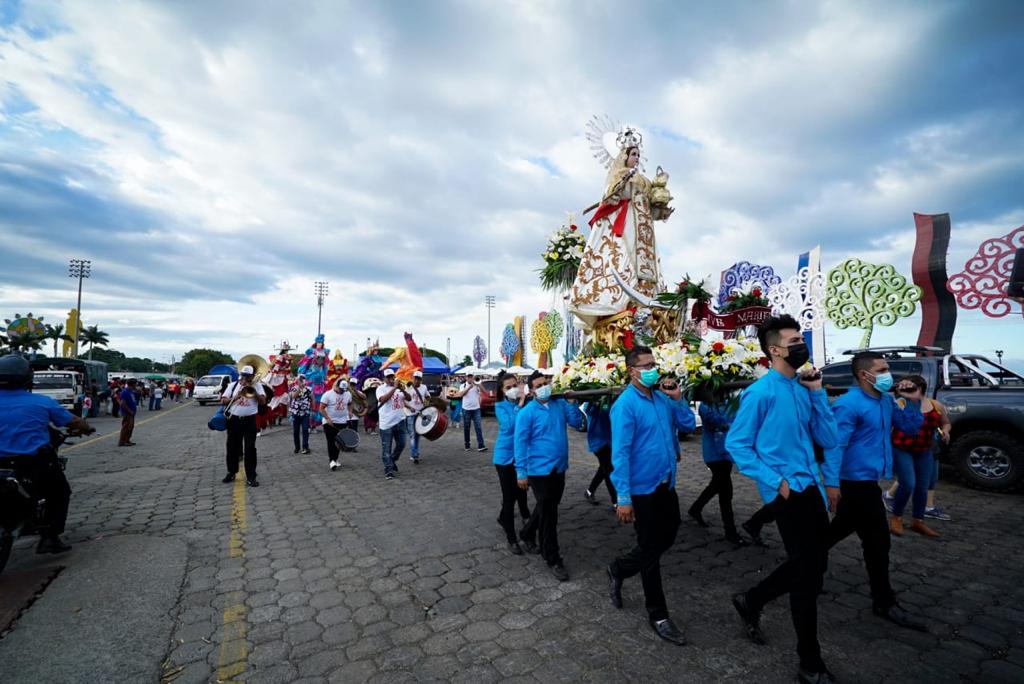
(208, 389)
(986, 409)
(489, 396)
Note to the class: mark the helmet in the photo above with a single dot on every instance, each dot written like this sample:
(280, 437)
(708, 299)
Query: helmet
(15, 372)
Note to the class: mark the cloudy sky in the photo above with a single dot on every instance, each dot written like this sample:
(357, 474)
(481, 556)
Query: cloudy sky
(213, 159)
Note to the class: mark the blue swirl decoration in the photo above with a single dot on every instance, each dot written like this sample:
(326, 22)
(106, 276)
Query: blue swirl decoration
(743, 272)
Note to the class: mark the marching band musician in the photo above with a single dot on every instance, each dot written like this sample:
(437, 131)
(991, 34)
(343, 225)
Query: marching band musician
(334, 408)
(243, 399)
(391, 402)
(419, 395)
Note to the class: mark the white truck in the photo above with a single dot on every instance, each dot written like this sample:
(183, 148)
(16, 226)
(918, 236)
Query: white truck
(208, 389)
(66, 387)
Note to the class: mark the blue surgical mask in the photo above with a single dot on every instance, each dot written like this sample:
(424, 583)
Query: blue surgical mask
(883, 382)
(650, 377)
(543, 393)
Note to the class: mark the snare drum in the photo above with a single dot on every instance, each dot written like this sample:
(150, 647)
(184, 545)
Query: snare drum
(431, 423)
(347, 439)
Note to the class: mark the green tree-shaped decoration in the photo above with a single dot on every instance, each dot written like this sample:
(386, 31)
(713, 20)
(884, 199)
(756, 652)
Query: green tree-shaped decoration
(863, 295)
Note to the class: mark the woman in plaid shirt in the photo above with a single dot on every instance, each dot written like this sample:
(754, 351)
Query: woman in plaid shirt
(299, 404)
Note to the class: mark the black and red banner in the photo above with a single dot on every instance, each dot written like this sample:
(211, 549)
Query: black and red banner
(938, 306)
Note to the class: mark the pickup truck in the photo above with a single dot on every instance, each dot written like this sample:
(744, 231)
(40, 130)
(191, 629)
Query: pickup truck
(64, 387)
(986, 409)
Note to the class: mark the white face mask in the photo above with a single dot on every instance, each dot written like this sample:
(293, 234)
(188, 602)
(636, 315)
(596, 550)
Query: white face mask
(512, 394)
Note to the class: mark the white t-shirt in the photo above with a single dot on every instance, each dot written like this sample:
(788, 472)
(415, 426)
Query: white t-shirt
(158, 393)
(244, 406)
(391, 413)
(419, 397)
(337, 405)
(471, 400)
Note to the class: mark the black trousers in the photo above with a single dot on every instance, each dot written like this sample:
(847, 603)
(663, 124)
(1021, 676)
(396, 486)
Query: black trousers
(604, 471)
(48, 482)
(543, 522)
(511, 496)
(242, 437)
(720, 485)
(862, 510)
(656, 524)
(803, 525)
(331, 433)
(764, 515)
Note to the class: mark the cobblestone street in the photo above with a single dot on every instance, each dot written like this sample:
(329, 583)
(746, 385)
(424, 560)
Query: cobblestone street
(345, 577)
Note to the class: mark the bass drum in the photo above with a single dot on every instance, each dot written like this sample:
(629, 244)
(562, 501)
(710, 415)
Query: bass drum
(347, 439)
(431, 423)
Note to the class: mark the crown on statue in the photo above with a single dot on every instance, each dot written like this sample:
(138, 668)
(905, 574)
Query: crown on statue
(629, 138)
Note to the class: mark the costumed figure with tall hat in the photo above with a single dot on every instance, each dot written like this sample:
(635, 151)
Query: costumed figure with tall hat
(316, 366)
(278, 379)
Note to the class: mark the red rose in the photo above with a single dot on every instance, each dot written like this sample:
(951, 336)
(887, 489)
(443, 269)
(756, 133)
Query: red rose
(718, 347)
(731, 298)
(764, 361)
(572, 227)
(591, 364)
(609, 366)
(627, 340)
(756, 292)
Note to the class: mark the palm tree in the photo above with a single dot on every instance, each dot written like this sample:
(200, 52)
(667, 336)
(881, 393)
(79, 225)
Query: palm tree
(56, 333)
(26, 341)
(92, 336)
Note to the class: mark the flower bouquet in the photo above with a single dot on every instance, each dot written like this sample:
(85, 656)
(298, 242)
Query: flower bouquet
(562, 259)
(750, 294)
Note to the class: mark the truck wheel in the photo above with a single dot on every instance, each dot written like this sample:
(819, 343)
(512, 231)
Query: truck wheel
(989, 460)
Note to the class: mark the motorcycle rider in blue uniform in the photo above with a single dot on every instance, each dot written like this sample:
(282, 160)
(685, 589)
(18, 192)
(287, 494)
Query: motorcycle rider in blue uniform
(25, 447)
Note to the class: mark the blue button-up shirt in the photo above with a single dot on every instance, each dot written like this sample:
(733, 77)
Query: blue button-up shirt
(772, 437)
(541, 443)
(128, 401)
(864, 423)
(715, 422)
(599, 427)
(505, 445)
(644, 442)
(25, 419)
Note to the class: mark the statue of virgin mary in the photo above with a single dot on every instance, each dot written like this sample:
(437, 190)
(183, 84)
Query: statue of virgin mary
(621, 241)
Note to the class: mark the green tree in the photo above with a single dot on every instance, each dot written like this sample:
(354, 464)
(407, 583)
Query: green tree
(57, 334)
(113, 358)
(92, 336)
(134, 364)
(198, 362)
(467, 361)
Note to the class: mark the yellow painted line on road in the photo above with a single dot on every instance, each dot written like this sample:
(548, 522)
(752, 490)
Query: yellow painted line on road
(234, 652)
(118, 430)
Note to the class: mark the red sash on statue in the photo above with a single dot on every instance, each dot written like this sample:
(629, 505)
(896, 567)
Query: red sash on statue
(606, 210)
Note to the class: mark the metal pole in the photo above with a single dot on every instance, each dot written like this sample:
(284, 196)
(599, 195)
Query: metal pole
(320, 290)
(78, 268)
(489, 303)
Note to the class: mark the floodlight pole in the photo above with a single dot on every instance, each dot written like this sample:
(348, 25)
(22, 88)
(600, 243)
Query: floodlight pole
(489, 303)
(320, 290)
(81, 269)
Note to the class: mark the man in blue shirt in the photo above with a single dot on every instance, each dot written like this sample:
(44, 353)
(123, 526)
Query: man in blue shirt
(644, 425)
(780, 418)
(865, 417)
(25, 446)
(599, 443)
(129, 406)
(542, 457)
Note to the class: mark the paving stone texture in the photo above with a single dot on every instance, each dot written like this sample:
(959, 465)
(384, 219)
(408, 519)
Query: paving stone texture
(347, 577)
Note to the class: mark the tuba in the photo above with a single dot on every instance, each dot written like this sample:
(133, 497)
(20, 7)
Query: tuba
(259, 365)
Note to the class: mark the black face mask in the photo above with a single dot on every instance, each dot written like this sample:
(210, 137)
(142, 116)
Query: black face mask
(798, 355)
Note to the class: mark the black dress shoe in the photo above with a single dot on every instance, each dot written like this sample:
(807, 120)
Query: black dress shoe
(230, 477)
(668, 631)
(52, 544)
(736, 540)
(559, 571)
(589, 497)
(755, 535)
(530, 547)
(253, 482)
(515, 549)
(614, 588)
(698, 518)
(897, 615)
(751, 618)
(822, 676)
